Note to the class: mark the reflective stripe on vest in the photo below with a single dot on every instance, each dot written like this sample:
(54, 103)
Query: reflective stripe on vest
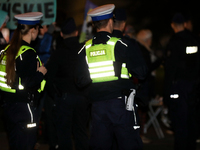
(3, 85)
(100, 61)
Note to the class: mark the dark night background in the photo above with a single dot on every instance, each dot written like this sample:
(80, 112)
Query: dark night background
(152, 14)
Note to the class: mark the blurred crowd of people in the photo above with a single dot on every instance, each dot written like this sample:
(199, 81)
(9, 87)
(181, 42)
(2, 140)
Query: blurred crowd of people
(65, 109)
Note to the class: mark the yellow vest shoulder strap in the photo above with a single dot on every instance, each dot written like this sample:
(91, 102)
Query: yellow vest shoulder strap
(111, 40)
(22, 49)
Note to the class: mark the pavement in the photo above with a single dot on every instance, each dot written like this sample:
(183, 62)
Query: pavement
(165, 143)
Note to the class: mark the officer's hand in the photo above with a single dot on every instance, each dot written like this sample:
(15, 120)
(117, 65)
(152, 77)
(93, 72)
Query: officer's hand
(41, 69)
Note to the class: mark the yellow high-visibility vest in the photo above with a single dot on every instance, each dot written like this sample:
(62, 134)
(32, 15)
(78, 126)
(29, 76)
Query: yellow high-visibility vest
(3, 85)
(100, 58)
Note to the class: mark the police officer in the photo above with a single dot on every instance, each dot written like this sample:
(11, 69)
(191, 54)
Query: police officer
(119, 22)
(181, 80)
(71, 112)
(142, 95)
(21, 82)
(108, 90)
(118, 28)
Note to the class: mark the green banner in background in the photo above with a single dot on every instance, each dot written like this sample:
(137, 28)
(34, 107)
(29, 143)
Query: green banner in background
(13, 7)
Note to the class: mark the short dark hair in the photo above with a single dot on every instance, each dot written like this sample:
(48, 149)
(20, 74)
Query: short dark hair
(117, 23)
(68, 26)
(178, 18)
(100, 24)
(69, 35)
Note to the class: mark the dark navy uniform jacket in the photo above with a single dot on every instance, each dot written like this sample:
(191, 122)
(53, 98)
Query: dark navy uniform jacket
(125, 52)
(61, 66)
(178, 64)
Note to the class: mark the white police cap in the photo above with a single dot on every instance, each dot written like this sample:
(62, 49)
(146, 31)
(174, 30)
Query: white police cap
(30, 18)
(102, 12)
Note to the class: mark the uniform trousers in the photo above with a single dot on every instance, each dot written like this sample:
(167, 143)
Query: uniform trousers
(49, 121)
(183, 114)
(72, 115)
(17, 116)
(110, 121)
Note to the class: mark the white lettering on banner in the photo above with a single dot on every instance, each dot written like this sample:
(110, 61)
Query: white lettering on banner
(191, 49)
(13, 7)
(98, 53)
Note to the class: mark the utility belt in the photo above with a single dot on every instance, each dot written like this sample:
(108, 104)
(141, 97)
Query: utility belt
(24, 96)
(33, 98)
(62, 94)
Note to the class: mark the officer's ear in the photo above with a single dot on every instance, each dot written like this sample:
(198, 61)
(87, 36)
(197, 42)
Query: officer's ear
(76, 33)
(123, 24)
(61, 34)
(172, 26)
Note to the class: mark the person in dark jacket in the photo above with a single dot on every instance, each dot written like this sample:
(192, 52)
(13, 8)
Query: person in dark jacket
(71, 112)
(21, 82)
(142, 95)
(181, 82)
(98, 67)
